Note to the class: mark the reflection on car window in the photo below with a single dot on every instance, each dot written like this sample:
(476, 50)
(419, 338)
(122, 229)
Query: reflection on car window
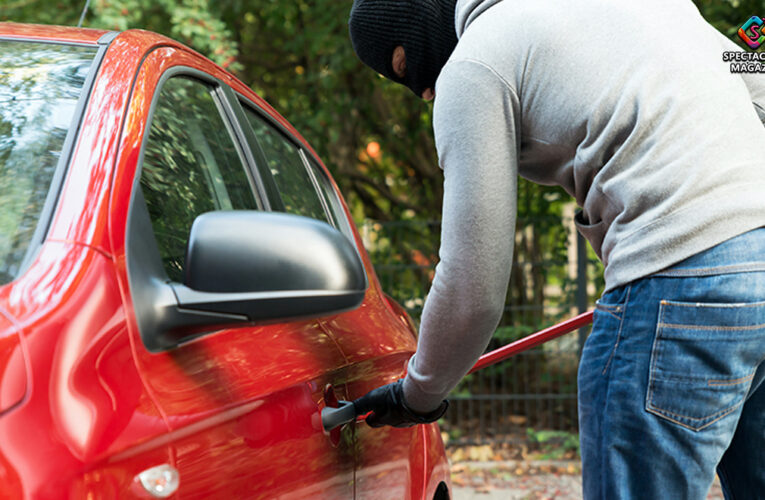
(40, 84)
(295, 186)
(191, 166)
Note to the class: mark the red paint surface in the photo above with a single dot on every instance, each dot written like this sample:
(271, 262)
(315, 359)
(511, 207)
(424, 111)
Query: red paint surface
(45, 32)
(13, 370)
(84, 407)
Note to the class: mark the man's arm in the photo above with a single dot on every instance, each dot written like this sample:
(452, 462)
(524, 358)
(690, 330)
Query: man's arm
(755, 82)
(476, 124)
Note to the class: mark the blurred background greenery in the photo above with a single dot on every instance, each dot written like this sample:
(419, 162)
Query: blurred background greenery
(376, 139)
(374, 135)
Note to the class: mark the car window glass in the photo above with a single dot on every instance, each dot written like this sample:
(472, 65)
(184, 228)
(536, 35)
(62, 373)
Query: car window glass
(290, 174)
(191, 166)
(40, 84)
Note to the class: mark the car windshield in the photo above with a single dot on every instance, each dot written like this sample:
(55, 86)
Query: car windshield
(40, 84)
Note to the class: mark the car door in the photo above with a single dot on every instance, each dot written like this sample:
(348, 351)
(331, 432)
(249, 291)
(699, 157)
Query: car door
(376, 339)
(242, 404)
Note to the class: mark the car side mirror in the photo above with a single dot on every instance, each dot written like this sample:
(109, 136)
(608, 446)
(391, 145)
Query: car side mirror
(247, 267)
(248, 251)
(268, 266)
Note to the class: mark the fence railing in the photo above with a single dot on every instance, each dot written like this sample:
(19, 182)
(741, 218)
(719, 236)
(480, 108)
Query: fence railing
(552, 278)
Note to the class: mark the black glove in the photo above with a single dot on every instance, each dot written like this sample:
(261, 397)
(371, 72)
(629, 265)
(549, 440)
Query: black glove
(387, 403)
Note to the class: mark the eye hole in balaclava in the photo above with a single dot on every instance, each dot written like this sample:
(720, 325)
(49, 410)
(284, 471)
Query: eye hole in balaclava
(425, 28)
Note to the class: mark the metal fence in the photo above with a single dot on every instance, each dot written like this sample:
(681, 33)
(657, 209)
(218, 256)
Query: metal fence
(553, 277)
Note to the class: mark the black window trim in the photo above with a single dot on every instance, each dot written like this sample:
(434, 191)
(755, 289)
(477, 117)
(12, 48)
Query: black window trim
(244, 101)
(333, 206)
(67, 148)
(286, 134)
(344, 226)
(256, 156)
(318, 188)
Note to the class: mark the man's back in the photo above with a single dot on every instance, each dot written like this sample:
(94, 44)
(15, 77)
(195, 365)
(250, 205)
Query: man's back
(659, 143)
(628, 106)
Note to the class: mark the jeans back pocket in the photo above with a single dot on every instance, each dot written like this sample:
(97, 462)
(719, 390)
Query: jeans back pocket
(703, 360)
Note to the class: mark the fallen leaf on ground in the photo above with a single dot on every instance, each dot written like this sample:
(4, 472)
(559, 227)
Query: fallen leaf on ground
(517, 419)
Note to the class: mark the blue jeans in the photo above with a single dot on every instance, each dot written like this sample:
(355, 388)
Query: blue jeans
(671, 380)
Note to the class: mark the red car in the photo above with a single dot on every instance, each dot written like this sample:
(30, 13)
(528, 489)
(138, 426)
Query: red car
(182, 290)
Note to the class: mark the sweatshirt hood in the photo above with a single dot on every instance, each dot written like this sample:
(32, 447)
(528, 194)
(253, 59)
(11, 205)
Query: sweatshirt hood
(467, 10)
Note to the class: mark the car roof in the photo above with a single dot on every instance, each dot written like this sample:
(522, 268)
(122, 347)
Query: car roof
(49, 33)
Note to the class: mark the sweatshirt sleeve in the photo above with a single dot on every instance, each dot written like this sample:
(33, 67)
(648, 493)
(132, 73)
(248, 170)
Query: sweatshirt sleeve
(476, 125)
(755, 82)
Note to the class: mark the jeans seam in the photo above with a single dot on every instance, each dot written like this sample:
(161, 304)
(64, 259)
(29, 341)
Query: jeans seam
(608, 307)
(615, 316)
(668, 415)
(654, 357)
(608, 374)
(697, 379)
(619, 333)
(713, 327)
(696, 305)
(727, 383)
(749, 267)
(715, 416)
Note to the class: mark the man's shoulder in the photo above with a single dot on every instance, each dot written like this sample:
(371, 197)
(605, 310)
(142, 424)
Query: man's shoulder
(471, 77)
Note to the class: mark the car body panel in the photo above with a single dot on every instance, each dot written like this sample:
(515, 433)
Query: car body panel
(47, 33)
(389, 460)
(86, 403)
(235, 411)
(13, 365)
(246, 425)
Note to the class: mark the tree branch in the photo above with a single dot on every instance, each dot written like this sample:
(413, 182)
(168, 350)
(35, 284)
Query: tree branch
(382, 189)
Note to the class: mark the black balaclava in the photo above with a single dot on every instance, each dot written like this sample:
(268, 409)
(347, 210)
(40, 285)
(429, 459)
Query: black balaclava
(425, 28)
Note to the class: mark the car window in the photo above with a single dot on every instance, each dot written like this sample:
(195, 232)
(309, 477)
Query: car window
(335, 206)
(40, 84)
(191, 166)
(292, 178)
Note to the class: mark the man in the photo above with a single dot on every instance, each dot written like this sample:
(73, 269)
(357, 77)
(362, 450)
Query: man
(629, 107)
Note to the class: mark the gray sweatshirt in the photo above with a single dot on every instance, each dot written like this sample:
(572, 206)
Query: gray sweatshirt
(626, 105)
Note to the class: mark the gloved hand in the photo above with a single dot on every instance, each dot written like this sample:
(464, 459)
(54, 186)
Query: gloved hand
(387, 403)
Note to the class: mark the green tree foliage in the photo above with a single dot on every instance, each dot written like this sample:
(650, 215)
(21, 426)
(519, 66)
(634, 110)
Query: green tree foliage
(300, 59)
(297, 55)
(728, 15)
(374, 135)
(63, 12)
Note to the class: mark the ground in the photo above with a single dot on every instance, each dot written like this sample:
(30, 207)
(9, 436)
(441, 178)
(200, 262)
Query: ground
(485, 473)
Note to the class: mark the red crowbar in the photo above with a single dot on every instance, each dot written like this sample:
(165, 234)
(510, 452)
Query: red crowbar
(533, 340)
(345, 413)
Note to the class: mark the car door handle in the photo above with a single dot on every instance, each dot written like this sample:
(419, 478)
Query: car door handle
(332, 418)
